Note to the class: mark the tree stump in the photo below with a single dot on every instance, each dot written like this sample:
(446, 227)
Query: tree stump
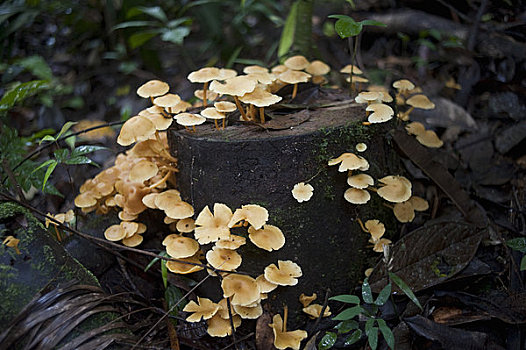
(260, 164)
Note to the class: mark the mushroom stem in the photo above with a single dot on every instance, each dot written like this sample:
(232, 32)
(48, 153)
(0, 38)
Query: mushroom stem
(406, 113)
(205, 89)
(217, 126)
(388, 205)
(251, 113)
(224, 123)
(262, 115)
(186, 128)
(240, 108)
(372, 189)
(58, 234)
(193, 128)
(151, 99)
(361, 225)
(366, 123)
(294, 91)
(285, 317)
(160, 182)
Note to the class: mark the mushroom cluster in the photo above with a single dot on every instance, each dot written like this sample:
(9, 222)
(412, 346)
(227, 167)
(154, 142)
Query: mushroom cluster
(410, 95)
(376, 229)
(425, 137)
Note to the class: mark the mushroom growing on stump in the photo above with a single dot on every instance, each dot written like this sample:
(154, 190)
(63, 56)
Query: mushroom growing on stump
(213, 113)
(205, 76)
(395, 188)
(189, 119)
(302, 192)
(243, 289)
(284, 339)
(180, 247)
(203, 309)
(224, 259)
(224, 107)
(213, 227)
(269, 237)
(261, 99)
(137, 128)
(297, 62)
(153, 88)
(381, 113)
(235, 87)
(284, 275)
(318, 69)
(294, 77)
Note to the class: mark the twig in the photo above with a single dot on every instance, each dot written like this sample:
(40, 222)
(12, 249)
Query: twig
(12, 178)
(473, 32)
(325, 302)
(457, 12)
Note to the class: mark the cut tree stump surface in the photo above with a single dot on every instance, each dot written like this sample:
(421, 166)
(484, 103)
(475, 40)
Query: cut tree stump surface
(254, 164)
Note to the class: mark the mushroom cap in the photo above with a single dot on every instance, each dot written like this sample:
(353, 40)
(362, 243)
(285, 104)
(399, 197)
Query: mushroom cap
(85, 200)
(284, 340)
(319, 80)
(164, 199)
(180, 247)
(360, 181)
(349, 161)
(142, 171)
(212, 113)
(395, 188)
(420, 101)
(356, 196)
(159, 121)
(305, 300)
(318, 67)
(357, 79)
(284, 275)
(226, 73)
(115, 233)
(418, 203)
(224, 259)
(137, 128)
(130, 228)
(153, 88)
(185, 225)
(179, 210)
(225, 106)
(213, 227)
(189, 119)
(254, 69)
(203, 309)
(133, 241)
(347, 70)
(181, 268)
(263, 77)
(204, 75)
(254, 214)
(403, 85)
(302, 192)
(149, 200)
(379, 245)
(381, 113)
(220, 327)
(280, 68)
(223, 309)
(404, 211)
(236, 86)
(249, 312)
(375, 228)
(297, 62)
(269, 237)
(210, 95)
(180, 107)
(232, 242)
(430, 139)
(243, 289)
(380, 88)
(368, 96)
(168, 100)
(415, 128)
(314, 311)
(294, 77)
(361, 147)
(264, 285)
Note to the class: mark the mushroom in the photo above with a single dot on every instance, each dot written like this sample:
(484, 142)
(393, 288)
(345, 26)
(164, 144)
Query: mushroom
(243, 289)
(375, 228)
(264, 285)
(403, 86)
(305, 300)
(189, 119)
(180, 247)
(204, 309)
(356, 196)
(261, 99)
(159, 121)
(349, 161)
(185, 265)
(381, 113)
(350, 69)
(137, 128)
(132, 241)
(368, 97)
(405, 211)
(166, 101)
(213, 227)
(417, 101)
(115, 233)
(318, 69)
(294, 77)
(254, 214)
(225, 107)
(430, 139)
(220, 327)
(142, 171)
(153, 88)
(314, 311)
(224, 259)
(254, 69)
(297, 62)
(205, 76)
(269, 237)
(395, 188)
(247, 312)
(210, 95)
(284, 339)
(232, 242)
(302, 192)
(185, 225)
(360, 181)
(236, 86)
(213, 113)
(284, 275)
(12, 242)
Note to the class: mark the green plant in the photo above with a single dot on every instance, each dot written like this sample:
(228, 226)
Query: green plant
(519, 244)
(368, 309)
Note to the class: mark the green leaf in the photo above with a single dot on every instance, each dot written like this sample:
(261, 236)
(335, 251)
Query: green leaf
(20, 92)
(346, 27)
(287, 34)
(372, 336)
(45, 164)
(348, 314)
(176, 22)
(346, 298)
(133, 24)
(85, 149)
(518, 243)
(80, 160)
(353, 338)
(70, 141)
(164, 273)
(405, 288)
(49, 171)
(61, 154)
(37, 66)
(65, 128)
(47, 138)
(154, 11)
(154, 260)
(387, 333)
(346, 326)
(138, 39)
(523, 263)
(173, 295)
(367, 294)
(384, 295)
(370, 22)
(176, 35)
(328, 341)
